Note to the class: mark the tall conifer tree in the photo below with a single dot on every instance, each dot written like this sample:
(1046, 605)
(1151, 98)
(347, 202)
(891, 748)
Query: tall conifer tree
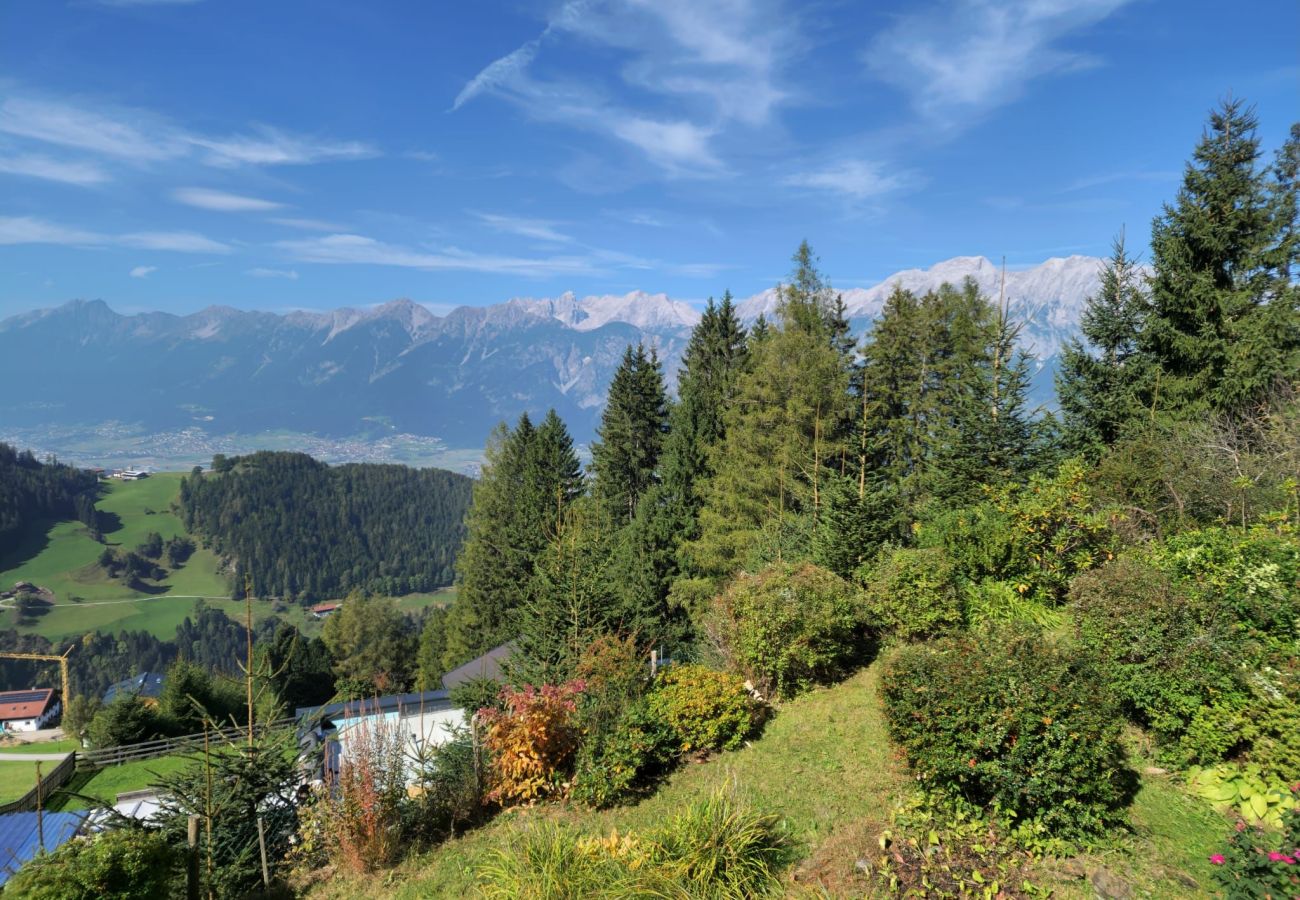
(626, 457)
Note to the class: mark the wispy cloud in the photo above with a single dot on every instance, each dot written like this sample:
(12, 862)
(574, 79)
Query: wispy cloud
(37, 166)
(960, 58)
(143, 271)
(306, 224)
(137, 136)
(358, 249)
(260, 272)
(708, 66)
(220, 201)
(538, 229)
(856, 179)
(1093, 181)
(31, 230)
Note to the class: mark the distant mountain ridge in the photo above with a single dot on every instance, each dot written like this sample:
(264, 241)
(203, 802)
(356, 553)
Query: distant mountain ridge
(400, 367)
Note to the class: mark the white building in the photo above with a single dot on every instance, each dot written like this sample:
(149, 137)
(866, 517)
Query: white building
(28, 710)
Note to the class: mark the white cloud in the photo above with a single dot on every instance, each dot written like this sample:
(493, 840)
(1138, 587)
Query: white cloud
(31, 230)
(143, 271)
(539, 229)
(137, 136)
(708, 65)
(855, 178)
(219, 201)
(36, 166)
(360, 250)
(259, 272)
(970, 56)
(306, 224)
(275, 148)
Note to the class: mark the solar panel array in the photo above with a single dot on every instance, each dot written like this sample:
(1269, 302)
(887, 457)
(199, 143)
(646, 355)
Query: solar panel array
(17, 697)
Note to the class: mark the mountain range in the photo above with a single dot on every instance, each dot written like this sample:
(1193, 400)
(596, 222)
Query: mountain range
(400, 368)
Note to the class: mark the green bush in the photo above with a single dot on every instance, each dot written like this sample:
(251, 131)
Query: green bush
(125, 864)
(618, 764)
(127, 720)
(708, 710)
(1162, 652)
(1014, 723)
(912, 594)
(1035, 536)
(790, 627)
(1253, 573)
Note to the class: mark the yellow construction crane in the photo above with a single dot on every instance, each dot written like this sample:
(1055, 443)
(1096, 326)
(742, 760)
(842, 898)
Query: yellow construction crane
(61, 660)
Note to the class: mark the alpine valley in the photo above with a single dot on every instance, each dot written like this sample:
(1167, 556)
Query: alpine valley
(398, 369)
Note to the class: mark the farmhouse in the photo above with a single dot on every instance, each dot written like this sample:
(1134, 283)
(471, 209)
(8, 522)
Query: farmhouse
(323, 610)
(147, 686)
(133, 474)
(28, 710)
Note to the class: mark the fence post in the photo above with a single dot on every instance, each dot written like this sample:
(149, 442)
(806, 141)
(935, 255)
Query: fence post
(261, 844)
(192, 859)
(40, 810)
(654, 664)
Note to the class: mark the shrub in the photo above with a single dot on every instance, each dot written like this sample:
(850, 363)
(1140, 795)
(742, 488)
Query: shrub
(615, 674)
(616, 765)
(451, 793)
(1036, 536)
(1242, 791)
(1014, 723)
(531, 742)
(708, 710)
(127, 720)
(912, 594)
(714, 849)
(789, 627)
(1163, 653)
(124, 864)
(479, 692)
(1259, 863)
(1251, 573)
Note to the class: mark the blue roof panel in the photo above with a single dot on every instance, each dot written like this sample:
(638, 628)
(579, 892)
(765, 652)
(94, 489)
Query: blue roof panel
(20, 838)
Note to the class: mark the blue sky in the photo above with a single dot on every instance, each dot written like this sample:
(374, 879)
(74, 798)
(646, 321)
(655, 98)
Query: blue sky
(171, 154)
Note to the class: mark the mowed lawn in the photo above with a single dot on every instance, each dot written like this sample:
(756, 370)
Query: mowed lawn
(105, 784)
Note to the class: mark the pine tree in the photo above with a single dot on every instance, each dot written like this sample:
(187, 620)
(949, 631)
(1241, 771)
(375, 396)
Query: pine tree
(852, 527)
(530, 477)
(781, 440)
(632, 428)
(1099, 382)
(1221, 328)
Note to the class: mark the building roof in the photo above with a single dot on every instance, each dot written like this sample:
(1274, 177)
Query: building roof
(146, 684)
(20, 839)
(325, 607)
(25, 704)
(407, 704)
(486, 666)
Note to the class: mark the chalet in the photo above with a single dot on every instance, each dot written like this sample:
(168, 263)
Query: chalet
(28, 710)
(147, 686)
(323, 610)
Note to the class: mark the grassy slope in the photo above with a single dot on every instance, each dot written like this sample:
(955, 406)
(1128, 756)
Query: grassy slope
(826, 766)
(63, 559)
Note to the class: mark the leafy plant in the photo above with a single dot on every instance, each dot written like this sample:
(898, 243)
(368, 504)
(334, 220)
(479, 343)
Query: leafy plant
(912, 594)
(709, 710)
(1243, 791)
(363, 802)
(789, 627)
(1259, 863)
(1012, 722)
(531, 742)
(616, 765)
(123, 864)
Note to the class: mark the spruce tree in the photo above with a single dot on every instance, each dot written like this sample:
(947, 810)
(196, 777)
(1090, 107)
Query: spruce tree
(1221, 328)
(1099, 382)
(530, 477)
(625, 458)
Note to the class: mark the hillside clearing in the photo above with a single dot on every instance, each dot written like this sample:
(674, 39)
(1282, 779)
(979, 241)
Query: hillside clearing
(825, 765)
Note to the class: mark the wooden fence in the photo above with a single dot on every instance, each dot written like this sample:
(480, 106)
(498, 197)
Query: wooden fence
(50, 782)
(112, 756)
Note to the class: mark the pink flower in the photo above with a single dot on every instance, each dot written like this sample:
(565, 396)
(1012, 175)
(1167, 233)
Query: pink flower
(1281, 857)
(1217, 859)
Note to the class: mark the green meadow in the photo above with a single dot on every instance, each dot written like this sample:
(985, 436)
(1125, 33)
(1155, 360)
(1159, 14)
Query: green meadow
(63, 558)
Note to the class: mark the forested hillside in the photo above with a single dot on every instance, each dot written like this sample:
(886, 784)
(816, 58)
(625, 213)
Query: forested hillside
(303, 530)
(32, 491)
